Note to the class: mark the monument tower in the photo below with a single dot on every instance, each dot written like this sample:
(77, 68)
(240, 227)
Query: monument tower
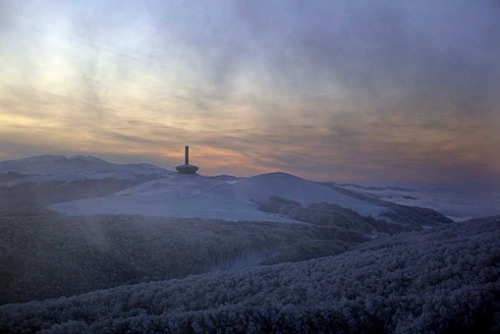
(186, 168)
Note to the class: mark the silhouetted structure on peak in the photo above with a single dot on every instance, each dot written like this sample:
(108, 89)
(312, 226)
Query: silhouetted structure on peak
(186, 168)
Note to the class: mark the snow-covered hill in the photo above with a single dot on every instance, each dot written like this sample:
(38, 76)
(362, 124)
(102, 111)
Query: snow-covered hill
(84, 185)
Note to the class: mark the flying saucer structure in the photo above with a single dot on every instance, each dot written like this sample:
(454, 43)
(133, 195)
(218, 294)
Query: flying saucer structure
(186, 168)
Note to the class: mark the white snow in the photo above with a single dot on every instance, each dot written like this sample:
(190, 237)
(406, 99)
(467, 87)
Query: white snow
(197, 196)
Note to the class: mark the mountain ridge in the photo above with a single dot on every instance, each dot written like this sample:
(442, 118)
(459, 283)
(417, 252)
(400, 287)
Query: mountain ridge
(51, 179)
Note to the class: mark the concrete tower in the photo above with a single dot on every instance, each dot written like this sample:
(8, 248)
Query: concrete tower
(186, 168)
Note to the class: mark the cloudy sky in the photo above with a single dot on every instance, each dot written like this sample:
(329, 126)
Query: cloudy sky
(373, 92)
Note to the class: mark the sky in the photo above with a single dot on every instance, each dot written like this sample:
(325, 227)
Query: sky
(369, 92)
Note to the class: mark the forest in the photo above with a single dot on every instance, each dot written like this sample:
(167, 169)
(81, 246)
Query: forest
(439, 280)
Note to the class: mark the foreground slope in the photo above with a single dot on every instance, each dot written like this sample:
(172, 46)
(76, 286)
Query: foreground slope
(444, 280)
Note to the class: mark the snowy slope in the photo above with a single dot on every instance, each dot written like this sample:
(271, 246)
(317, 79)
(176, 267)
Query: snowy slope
(172, 196)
